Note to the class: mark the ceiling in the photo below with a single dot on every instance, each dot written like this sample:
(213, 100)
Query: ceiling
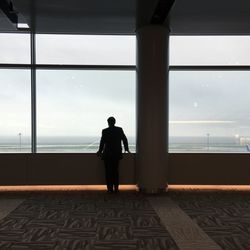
(215, 17)
(187, 17)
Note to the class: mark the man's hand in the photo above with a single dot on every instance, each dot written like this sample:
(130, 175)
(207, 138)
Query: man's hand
(98, 153)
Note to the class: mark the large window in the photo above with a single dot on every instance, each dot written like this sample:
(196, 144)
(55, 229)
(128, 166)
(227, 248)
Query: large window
(208, 107)
(85, 49)
(73, 107)
(209, 50)
(15, 123)
(72, 102)
(209, 111)
(14, 48)
(81, 80)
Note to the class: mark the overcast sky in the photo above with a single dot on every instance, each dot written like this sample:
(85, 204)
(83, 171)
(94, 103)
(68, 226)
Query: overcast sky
(209, 102)
(78, 102)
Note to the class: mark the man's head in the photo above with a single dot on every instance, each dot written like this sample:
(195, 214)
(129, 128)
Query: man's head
(111, 121)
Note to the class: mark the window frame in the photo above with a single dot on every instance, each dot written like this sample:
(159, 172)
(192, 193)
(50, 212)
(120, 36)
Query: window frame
(33, 67)
(195, 68)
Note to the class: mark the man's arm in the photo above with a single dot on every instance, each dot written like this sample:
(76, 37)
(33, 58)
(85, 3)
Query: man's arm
(101, 146)
(125, 141)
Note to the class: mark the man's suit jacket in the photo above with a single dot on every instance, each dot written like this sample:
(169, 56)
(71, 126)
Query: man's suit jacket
(110, 144)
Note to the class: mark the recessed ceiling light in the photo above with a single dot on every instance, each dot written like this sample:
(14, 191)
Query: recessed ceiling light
(22, 26)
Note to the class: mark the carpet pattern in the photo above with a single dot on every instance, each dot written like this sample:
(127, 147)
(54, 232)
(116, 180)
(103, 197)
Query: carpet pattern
(186, 233)
(7, 205)
(84, 221)
(225, 217)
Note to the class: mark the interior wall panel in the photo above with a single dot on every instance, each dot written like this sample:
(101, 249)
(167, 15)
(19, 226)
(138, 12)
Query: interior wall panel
(87, 169)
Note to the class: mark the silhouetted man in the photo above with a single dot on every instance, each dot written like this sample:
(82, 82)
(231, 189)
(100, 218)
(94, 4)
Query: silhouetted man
(110, 150)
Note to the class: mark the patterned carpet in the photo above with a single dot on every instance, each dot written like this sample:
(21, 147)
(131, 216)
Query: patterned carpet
(84, 221)
(225, 217)
(96, 220)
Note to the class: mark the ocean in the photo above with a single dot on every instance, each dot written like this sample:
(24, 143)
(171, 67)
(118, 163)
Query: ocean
(80, 144)
(54, 144)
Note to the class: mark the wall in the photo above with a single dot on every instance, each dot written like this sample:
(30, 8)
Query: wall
(28, 169)
(39, 169)
(214, 169)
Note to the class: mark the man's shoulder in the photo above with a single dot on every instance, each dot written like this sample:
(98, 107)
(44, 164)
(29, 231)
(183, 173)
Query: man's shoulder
(105, 130)
(118, 128)
(112, 129)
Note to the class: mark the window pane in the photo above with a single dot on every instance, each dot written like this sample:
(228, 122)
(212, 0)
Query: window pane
(15, 106)
(14, 48)
(209, 50)
(85, 49)
(73, 106)
(209, 111)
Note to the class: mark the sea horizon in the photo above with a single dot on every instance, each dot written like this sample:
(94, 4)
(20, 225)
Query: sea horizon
(90, 144)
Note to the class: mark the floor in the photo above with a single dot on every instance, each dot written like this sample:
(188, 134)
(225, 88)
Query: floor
(127, 220)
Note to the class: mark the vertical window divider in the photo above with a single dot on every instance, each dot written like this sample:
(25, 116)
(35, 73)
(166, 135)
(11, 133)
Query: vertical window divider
(33, 92)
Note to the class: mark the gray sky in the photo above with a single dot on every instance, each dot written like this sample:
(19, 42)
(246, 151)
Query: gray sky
(78, 102)
(209, 102)
(89, 50)
(14, 102)
(210, 50)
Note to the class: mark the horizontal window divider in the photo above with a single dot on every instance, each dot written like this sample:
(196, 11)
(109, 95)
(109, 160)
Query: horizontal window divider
(120, 67)
(14, 66)
(72, 67)
(209, 68)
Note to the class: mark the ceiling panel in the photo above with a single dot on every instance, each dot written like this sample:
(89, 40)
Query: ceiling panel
(5, 23)
(213, 17)
(187, 17)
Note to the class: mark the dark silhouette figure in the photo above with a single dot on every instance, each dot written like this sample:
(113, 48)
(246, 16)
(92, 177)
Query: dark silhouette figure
(110, 150)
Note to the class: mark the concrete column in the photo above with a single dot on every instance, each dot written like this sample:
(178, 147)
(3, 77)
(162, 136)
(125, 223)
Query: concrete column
(152, 107)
